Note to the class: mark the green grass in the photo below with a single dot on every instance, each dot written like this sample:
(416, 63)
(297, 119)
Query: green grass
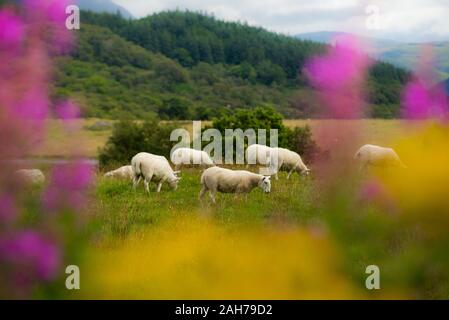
(121, 211)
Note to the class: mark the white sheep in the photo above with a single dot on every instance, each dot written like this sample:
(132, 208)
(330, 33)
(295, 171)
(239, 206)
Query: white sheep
(377, 156)
(286, 159)
(187, 156)
(152, 167)
(125, 172)
(222, 180)
(31, 176)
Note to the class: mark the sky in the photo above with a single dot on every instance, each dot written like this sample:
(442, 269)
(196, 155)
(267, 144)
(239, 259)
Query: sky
(400, 20)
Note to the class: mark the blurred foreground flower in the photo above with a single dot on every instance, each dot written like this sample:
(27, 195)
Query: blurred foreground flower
(190, 258)
(11, 30)
(31, 32)
(68, 186)
(339, 76)
(425, 101)
(421, 191)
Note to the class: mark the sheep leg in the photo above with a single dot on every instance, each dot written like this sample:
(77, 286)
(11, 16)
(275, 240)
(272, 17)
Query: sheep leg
(136, 180)
(147, 183)
(290, 173)
(212, 195)
(202, 192)
(159, 186)
(362, 167)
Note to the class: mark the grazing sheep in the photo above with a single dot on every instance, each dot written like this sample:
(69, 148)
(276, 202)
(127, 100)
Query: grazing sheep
(222, 180)
(190, 156)
(377, 156)
(125, 172)
(151, 167)
(287, 160)
(31, 176)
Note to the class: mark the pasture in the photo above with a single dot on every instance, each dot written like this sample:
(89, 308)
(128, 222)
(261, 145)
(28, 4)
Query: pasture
(309, 238)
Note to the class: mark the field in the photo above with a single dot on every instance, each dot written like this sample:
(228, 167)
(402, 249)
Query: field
(306, 239)
(89, 138)
(311, 237)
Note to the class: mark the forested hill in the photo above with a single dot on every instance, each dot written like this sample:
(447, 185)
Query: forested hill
(188, 65)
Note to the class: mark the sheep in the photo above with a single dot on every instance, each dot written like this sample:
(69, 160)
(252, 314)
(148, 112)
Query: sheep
(377, 156)
(190, 156)
(31, 176)
(286, 159)
(153, 167)
(125, 172)
(222, 180)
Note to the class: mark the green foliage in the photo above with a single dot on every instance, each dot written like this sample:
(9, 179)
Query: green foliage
(384, 111)
(298, 139)
(175, 108)
(301, 141)
(269, 73)
(130, 68)
(129, 138)
(136, 82)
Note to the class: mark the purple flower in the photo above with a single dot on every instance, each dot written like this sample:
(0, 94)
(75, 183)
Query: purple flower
(53, 14)
(67, 111)
(29, 252)
(11, 30)
(51, 10)
(34, 106)
(421, 101)
(338, 76)
(68, 186)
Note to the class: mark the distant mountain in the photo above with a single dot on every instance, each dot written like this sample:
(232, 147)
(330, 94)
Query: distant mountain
(329, 36)
(405, 55)
(408, 56)
(104, 6)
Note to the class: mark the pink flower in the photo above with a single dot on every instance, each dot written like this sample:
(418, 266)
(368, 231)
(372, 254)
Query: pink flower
(68, 111)
(34, 106)
(11, 30)
(51, 10)
(29, 252)
(421, 101)
(53, 13)
(68, 186)
(338, 76)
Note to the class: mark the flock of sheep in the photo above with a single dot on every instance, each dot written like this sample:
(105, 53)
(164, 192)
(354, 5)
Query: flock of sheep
(150, 167)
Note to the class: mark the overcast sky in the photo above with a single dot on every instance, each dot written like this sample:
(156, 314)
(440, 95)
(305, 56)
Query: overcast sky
(406, 20)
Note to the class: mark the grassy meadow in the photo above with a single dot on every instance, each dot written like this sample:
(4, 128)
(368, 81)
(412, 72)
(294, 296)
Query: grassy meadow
(309, 238)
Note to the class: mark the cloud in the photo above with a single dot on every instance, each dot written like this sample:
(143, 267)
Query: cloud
(407, 20)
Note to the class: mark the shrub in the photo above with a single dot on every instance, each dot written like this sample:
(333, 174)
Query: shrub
(129, 138)
(301, 141)
(298, 139)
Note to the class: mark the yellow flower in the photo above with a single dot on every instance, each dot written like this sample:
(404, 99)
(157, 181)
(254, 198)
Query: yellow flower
(193, 258)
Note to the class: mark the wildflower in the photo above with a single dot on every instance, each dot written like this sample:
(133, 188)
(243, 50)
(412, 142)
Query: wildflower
(30, 255)
(11, 30)
(68, 185)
